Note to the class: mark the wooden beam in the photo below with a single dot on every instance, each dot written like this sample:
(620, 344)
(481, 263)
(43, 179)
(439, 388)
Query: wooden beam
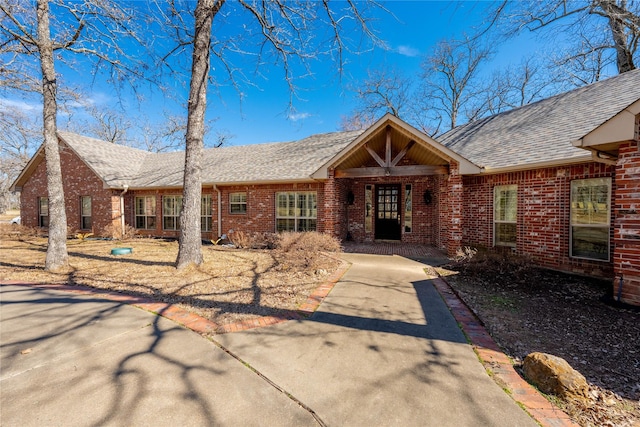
(415, 170)
(387, 157)
(375, 156)
(402, 153)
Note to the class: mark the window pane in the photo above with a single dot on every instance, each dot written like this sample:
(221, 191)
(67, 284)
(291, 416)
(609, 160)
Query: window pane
(86, 205)
(506, 203)
(590, 242)
(590, 201)
(150, 203)
(505, 233)
(368, 208)
(408, 206)
(44, 206)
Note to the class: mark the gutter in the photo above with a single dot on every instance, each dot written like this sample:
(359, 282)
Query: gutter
(538, 165)
(219, 209)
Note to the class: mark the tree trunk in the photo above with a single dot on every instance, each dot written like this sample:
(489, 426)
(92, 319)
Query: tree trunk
(624, 54)
(57, 256)
(190, 249)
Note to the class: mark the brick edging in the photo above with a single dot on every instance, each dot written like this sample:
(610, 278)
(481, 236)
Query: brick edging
(193, 321)
(498, 363)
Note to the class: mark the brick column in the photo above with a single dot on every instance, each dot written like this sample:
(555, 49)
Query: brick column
(626, 233)
(331, 206)
(455, 202)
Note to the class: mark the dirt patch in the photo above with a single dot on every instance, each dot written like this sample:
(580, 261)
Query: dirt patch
(528, 309)
(231, 285)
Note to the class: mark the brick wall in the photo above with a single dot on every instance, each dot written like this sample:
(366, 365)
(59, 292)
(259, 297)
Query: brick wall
(627, 224)
(424, 217)
(261, 209)
(78, 180)
(543, 222)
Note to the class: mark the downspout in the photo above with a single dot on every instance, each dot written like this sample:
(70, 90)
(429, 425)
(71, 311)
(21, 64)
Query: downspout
(219, 209)
(124, 191)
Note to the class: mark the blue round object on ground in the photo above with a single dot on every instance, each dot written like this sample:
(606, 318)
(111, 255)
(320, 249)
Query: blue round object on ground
(121, 251)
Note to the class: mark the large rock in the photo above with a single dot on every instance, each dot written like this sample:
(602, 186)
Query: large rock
(553, 375)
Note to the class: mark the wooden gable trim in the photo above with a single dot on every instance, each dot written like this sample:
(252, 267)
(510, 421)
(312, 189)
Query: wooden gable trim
(372, 172)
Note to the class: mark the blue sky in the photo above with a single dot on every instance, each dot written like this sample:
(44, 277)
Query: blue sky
(410, 32)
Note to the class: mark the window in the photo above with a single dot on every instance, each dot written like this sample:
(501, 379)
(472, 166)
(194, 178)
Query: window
(590, 218)
(85, 212)
(505, 211)
(238, 203)
(205, 213)
(43, 211)
(171, 208)
(146, 212)
(368, 208)
(296, 211)
(408, 208)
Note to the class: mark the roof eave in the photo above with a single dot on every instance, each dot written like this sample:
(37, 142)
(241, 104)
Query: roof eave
(586, 158)
(622, 127)
(28, 170)
(465, 166)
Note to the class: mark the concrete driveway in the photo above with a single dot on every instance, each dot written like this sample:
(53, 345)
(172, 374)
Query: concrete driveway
(382, 350)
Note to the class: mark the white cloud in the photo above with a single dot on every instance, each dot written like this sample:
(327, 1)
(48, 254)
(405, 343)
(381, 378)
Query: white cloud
(12, 104)
(294, 117)
(407, 51)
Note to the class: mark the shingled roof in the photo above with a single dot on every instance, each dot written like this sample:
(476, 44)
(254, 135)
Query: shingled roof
(543, 132)
(119, 165)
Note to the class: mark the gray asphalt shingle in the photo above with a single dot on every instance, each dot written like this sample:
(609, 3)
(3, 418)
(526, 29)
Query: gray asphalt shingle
(286, 161)
(536, 133)
(543, 131)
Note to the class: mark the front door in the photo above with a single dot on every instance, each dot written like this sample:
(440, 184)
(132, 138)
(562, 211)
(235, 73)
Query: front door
(388, 212)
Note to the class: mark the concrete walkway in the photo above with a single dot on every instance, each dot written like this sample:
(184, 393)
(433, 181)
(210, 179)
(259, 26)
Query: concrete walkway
(383, 349)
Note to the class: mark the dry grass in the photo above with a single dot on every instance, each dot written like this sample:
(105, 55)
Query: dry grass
(9, 215)
(230, 286)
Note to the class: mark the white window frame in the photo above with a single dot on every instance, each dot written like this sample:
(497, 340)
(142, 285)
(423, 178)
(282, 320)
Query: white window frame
(239, 201)
(43, 212)
(148, 214)
(84, 216)
(206, 210)
(171, 213)
(588, 206)
(294, 213)
(499, 195)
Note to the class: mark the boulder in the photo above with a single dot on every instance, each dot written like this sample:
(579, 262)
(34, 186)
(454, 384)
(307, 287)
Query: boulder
(553, 375)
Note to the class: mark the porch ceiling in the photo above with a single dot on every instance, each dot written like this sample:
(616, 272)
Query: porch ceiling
(418, 154)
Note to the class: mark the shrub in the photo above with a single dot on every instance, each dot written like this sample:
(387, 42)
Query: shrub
(245, 240)
(310, 241)
(115, 232)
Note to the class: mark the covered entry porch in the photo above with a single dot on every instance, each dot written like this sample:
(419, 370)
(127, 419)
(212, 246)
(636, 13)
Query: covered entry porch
(396, 184)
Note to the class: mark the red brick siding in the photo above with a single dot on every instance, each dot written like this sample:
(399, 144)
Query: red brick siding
(424, 217)
(78, 180)
(543, 222)
(261, 209)
(627, 223)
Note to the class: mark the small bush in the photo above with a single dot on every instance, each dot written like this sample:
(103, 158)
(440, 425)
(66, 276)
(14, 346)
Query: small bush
(308, 241)
(18, 232)
(115, 232)
(504, 263)
(244, 240)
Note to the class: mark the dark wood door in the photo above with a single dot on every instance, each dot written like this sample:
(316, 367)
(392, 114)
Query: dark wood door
(388, 212)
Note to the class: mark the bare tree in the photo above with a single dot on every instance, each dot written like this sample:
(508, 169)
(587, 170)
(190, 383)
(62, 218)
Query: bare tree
(19, 137)
(450, 81)
(519, 85)
(291, 34)
(384, 91)
(612, 27)
(30, 41)
(109, 125)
